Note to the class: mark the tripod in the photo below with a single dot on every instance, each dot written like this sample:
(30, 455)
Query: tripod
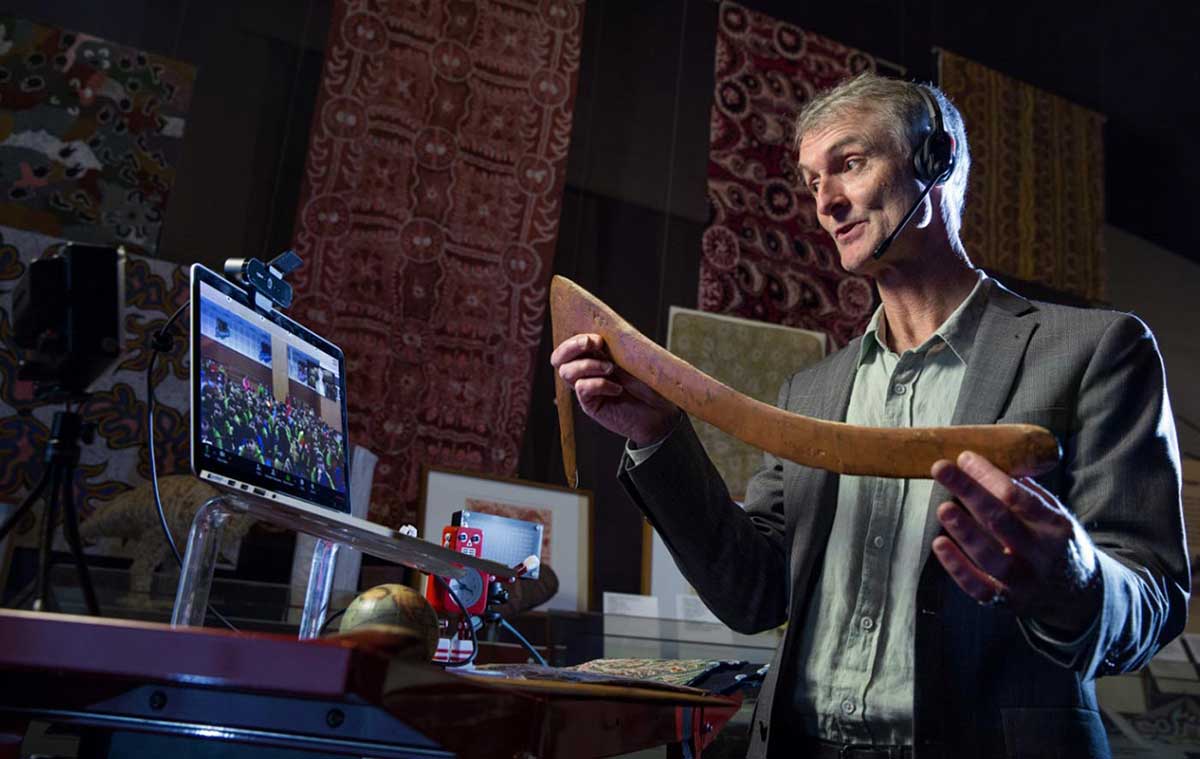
(61, 458)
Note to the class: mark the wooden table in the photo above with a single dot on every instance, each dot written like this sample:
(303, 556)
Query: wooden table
(341, 697)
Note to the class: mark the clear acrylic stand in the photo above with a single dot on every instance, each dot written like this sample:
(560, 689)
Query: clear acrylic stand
(195, 581)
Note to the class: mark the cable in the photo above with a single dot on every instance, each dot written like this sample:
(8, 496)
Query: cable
(470, 625)
(332, 617)
(521, 639)
(161, 342)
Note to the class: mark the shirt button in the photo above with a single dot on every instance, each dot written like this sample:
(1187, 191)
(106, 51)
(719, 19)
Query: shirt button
(848, 706)
(899, 389)
(867, 623)
(878, 541)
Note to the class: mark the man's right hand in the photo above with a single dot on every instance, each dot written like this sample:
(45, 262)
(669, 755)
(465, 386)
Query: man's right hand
(618, 401)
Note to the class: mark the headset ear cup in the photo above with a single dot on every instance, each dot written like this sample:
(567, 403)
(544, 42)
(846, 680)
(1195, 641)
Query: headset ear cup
(933, 160)
(941, 155)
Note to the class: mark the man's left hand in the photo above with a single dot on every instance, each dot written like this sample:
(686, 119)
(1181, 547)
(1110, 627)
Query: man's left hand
(1012, 540)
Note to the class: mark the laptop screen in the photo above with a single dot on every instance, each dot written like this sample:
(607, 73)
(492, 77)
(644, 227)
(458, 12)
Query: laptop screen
(268, 398)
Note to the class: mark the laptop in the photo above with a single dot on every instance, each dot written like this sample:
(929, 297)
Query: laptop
(268, 421)
(268, 403)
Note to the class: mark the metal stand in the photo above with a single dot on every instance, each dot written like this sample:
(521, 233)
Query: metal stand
(191, 596)
(61, 457)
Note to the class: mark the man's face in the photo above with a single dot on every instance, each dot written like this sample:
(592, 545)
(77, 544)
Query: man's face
(862, 185)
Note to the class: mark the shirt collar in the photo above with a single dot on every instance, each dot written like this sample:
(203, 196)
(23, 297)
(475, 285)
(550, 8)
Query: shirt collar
(958, 331)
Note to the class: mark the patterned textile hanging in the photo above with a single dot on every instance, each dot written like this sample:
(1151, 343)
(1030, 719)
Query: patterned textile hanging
(90, 132)
(428, 219)
(1035, 201)
(765, 257)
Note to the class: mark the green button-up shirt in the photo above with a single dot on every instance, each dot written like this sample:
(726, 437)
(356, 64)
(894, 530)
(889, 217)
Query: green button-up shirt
(856, 651)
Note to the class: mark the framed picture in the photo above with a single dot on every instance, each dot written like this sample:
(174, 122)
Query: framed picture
(565, 516)
(752, 357)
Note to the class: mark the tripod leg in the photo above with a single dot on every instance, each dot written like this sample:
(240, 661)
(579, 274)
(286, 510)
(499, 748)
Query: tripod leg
(43, 596)
(27, 504)
(71, 531)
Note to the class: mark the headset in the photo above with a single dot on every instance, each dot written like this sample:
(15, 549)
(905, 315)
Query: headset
(933, 163)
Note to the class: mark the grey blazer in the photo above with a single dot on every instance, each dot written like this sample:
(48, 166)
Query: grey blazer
(1095, 379)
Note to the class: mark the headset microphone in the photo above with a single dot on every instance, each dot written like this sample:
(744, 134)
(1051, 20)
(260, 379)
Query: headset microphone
(933, 162)
(882, 247)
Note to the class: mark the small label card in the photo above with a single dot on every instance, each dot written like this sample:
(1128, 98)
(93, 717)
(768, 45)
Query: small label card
(691, 609)
(631, 605)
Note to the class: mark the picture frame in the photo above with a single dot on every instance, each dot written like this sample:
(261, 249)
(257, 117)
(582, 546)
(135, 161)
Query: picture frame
(565, 513)
(753, 357)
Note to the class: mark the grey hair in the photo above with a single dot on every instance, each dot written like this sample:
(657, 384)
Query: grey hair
(906, 119)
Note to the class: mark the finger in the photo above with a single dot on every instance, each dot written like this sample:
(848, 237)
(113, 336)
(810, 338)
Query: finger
(640, 390)
(973, 580)
(1053, 512)
(576, 346)
(580, 368)
(983, 502)
(593, 389)
(977, 543)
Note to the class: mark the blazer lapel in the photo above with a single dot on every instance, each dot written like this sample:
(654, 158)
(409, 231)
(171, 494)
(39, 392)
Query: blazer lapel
(827, 396)
(1007, 323)
(833, 405)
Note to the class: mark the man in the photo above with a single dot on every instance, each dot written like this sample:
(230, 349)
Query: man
(1035, 587)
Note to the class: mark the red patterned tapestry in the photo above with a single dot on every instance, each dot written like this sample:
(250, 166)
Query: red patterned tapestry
(89, 135)
(765, 256)
(117, 460)
(1035, 200)
(428, 221)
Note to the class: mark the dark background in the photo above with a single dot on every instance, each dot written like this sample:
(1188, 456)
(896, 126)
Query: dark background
(634, 204)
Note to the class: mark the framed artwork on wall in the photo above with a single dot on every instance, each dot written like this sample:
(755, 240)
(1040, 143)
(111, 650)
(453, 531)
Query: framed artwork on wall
(565, 515)
(752, 357)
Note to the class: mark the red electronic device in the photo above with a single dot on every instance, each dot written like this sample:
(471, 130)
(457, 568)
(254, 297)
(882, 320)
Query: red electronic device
(472, 588)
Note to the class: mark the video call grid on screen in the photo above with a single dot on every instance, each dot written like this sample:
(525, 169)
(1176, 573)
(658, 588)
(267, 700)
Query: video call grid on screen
(298, 441)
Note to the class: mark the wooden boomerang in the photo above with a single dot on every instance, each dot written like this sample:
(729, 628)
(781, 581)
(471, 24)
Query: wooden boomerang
(909, 452)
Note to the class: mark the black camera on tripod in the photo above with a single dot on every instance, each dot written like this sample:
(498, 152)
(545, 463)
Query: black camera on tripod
(66, 312)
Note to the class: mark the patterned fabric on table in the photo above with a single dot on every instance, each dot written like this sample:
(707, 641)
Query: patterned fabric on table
(669, 671)
(89, 134)
(428, 221)
(764, 255)
(1035, 201)
(116, 461)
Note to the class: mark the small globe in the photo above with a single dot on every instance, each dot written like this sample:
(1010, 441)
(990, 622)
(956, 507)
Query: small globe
(398, 607)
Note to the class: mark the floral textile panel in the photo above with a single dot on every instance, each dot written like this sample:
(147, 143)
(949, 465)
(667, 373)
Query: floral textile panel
(90, 132)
